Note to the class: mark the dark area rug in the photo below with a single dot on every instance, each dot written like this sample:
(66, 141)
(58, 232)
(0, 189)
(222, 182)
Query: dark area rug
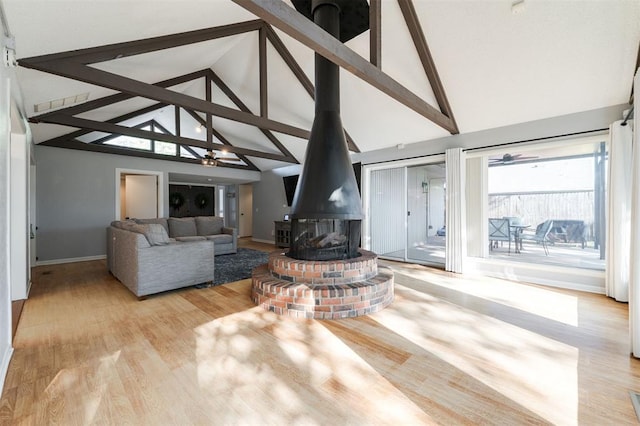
(236, 267)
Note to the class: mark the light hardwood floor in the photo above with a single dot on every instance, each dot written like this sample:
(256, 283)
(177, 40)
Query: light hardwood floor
(450, 350)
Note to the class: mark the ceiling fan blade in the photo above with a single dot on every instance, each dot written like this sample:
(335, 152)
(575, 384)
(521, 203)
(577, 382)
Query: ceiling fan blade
(229, 159)
(512, 158)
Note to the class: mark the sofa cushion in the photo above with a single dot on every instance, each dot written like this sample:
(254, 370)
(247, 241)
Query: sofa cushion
(122, 224)
(221, 238)
(156, 234)
(129, 225)
(190, 238)
(160, 220)
(209, 225)
(182, 227)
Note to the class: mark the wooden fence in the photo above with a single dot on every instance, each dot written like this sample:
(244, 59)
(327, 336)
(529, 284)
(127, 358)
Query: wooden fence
(536, 207)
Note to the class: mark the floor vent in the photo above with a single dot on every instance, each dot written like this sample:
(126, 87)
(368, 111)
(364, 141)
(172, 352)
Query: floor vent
(635, 400)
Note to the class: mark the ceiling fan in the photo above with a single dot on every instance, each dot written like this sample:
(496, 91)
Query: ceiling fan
(210, 159)
(510, 159)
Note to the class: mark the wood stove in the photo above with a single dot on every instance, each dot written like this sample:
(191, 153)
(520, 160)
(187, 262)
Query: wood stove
(325, 239)
(324, 275)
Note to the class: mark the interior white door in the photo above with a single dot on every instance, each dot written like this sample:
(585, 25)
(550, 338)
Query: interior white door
(246, 210)
(19, 216)
(141, 196)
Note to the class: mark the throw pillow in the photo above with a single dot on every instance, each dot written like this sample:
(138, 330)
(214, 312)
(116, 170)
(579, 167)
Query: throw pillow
(156, 234)
(209, 225)
(182, 227)
(161, 220)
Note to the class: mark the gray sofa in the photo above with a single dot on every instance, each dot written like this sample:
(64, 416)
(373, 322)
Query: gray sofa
(200, 228)
(143, 256)
(146, 268)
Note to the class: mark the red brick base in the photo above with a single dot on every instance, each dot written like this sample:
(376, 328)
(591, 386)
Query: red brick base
(322, 289)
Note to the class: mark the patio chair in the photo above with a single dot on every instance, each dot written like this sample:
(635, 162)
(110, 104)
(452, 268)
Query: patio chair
(499, 230)
(541, 235)
(516, 226)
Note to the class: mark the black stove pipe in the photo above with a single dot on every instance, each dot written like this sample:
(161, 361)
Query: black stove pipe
(327, 187)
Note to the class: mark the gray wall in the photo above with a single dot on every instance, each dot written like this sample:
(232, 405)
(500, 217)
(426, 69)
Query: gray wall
(566, 124)
(270, 201)
(75, 193)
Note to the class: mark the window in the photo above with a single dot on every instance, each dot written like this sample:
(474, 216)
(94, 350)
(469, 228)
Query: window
(164, 148)
(130, 142)
(554, 199)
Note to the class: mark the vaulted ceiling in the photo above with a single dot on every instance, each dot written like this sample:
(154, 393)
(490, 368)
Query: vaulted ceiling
(495, 65)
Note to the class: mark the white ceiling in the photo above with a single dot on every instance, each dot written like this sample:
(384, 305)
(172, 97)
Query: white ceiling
(556, 57)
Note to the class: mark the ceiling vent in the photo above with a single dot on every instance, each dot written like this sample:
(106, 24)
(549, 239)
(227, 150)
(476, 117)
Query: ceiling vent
(62, 102)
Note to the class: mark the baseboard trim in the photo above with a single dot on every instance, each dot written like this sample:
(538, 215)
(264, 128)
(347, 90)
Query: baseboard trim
(70, 260)
(6, 358)
(16, 311)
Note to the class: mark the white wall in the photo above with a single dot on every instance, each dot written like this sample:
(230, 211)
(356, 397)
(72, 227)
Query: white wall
(5, 291)
(19, 215)
(8, 91)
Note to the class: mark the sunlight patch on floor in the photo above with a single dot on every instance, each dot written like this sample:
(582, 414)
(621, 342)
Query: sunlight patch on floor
(312, 374)
(537, 372)
(549, 303)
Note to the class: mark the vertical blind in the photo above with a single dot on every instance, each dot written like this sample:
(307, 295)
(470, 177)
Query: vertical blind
(387, 212)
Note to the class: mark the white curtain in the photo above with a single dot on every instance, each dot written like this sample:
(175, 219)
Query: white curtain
(477, 172)
(456, 250)
(634, 279)
(619, 211)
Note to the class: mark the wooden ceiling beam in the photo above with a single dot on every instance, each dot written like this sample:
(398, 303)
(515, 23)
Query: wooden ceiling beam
(287, 19)
(262, 63)
(420, 42)
(220, 137)
(102, 78)
(297, 71)
(105, 127)
(375, 33)
(634, 74)
(288, 58)
(120, 97)
(43, 119)
(120, 50)
(129, 152)
(177, 133)
(243, 107)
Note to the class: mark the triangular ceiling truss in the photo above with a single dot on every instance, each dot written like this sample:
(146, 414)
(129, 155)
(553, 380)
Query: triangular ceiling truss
(76, 65)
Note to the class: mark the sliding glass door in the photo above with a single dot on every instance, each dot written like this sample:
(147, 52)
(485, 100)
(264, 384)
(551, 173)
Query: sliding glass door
(407, 213)
(425, 213)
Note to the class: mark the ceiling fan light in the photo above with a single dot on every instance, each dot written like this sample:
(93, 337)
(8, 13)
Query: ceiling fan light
(209, 159)
(209, 162)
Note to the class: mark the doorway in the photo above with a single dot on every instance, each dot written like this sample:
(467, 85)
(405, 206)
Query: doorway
(406, 212)
(139, 193)
(246, 210)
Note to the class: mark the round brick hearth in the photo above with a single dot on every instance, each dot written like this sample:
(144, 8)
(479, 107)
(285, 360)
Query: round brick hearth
(329, 289)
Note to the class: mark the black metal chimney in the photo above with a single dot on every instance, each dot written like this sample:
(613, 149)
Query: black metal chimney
(327, 199)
